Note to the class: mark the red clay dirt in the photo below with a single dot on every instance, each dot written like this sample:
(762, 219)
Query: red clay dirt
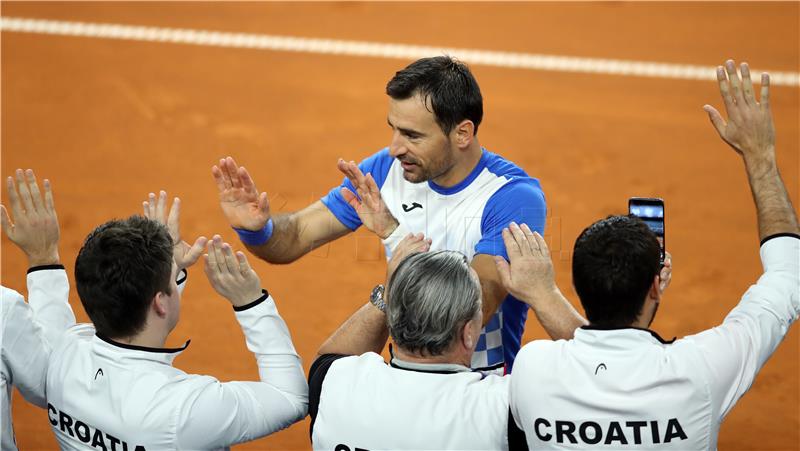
(109, 121)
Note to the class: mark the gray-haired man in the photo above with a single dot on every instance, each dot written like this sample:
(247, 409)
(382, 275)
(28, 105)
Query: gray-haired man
(433, 312)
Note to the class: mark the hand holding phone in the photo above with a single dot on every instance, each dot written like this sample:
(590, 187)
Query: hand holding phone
(651, 211)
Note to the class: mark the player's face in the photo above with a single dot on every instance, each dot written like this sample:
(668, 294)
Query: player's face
(423, 149)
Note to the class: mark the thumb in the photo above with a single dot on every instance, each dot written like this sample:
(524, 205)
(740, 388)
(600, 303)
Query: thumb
(716, 119)
(504, 270)
(195, 251)
(5, 221)
(350, 198)
(263, 202)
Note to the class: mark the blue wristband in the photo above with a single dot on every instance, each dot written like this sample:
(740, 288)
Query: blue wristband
(255, 238)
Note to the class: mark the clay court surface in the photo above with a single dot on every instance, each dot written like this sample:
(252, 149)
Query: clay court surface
(110, 120)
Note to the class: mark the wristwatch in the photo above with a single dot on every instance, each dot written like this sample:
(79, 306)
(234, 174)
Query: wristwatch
(376, 298)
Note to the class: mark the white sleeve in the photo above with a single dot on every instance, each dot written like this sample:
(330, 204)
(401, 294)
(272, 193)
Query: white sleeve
(48, 296)
(223, 414)
(181, 279)
(735, 351)
(24, 349)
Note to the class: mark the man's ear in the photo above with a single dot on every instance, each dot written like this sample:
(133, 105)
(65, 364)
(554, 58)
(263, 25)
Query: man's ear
(467, 340)
(464, 133)
(159, 304)
(655, 289)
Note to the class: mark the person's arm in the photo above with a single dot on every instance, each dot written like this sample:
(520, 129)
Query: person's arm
(735, 351)
(35, 230)
(751, 133)
(275, 238)
(25, 350)
(223, 414)
(529, 276)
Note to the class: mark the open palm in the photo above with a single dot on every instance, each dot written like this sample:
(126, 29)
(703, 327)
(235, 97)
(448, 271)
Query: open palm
(241, 202)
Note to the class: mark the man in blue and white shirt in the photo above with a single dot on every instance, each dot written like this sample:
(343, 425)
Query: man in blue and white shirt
(433, 178)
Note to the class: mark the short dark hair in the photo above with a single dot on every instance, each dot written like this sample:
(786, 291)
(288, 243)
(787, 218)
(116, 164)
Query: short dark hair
(120, 267)
(613, 265)
(448, 83)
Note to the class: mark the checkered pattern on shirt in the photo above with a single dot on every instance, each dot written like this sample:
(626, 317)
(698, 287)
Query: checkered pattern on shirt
(489, 351)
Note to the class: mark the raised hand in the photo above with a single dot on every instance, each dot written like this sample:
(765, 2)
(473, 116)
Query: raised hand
(749, 130)
(411, 244)
(369, 204)
(241, 202)
(185, 255)
(230, 274)
(529, 275)
(34, 227)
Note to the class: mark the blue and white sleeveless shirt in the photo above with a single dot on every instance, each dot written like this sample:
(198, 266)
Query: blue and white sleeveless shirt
(468, 217)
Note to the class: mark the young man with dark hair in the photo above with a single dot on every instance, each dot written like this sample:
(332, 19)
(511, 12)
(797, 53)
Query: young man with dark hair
(618, 384)
(612, 294)
(111, 384)
(434, 178)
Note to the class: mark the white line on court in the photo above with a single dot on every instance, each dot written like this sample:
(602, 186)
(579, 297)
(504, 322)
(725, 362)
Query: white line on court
(376, 49)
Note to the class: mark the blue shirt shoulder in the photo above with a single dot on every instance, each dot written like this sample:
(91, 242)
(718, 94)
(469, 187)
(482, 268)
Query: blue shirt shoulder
(521, 200)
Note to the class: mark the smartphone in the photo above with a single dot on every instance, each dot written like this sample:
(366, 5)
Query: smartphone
(651, 211)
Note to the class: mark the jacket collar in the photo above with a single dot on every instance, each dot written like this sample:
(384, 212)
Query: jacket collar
(435, 368)
(652, 333)
(165, 355)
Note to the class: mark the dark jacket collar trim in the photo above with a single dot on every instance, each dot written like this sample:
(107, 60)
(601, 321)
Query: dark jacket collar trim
(651, 332)
(142, 348)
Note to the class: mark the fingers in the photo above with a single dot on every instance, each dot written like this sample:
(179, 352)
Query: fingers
(48, 196)
(215, 259)
(5, 222)
(233, 173)
(244, 265)
(33, 186)
(245, 181)
(231, 263)
(150, 206)
(13, 197)
(512, 248)
(530, 239)
(541, 245)
(504, 270)
(219, 178)
(519, 237)
(747, 84)
(24, 193)
(716, 119)
(724, 90)
(733, 79)
(225, 177)
(174, 219)
(765, 90)
(161, 207)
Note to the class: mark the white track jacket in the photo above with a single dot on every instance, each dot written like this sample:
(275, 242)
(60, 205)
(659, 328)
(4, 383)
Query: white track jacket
(104, 395)
(629, 389)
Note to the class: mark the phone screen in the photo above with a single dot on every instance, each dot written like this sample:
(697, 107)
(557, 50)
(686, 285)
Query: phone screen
(651, 211)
